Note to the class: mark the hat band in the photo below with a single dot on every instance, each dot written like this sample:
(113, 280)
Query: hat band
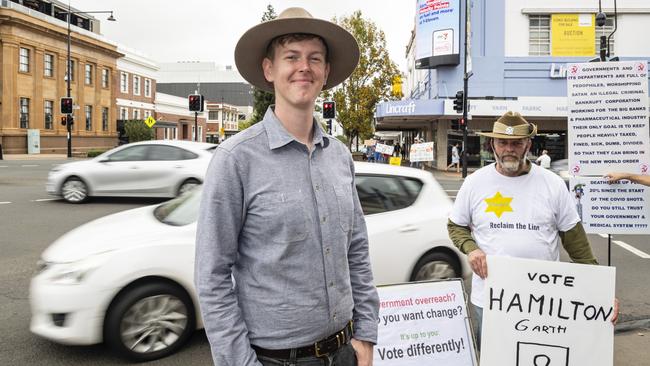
(518, 130)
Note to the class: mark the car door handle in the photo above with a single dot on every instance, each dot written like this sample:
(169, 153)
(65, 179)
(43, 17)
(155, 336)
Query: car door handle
(408, 228)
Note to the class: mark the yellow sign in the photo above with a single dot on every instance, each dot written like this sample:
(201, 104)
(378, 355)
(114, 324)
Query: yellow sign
(573, 35)
(397, 85)
(395, 160)
(222, 132)
(150, 121)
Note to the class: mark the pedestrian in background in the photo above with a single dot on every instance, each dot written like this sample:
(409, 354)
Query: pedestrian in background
(514, 191)
(455, 158)
(282, 267)
(544, 160)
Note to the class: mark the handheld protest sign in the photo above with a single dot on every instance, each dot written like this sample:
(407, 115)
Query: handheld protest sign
(547, 313)
(424, 323)
(620, 208)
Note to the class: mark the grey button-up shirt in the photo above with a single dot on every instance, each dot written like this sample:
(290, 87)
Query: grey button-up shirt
(286, 223)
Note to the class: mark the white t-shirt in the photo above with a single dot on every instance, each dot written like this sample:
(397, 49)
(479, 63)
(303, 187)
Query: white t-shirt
(544, 161)
(514, 216)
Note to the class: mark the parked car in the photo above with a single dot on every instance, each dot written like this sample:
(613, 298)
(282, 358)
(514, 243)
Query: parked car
(561, 168)
(127, 279)
(165, 168)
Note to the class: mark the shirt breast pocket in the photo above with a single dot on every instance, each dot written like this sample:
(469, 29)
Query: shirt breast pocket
(345, 205)
(285, 216)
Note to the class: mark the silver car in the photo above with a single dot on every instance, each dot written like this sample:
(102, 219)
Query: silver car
(162, 168)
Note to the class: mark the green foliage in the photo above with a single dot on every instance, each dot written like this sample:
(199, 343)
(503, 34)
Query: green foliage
(93, 153)
(136, 130)
(343, 139)
(261, 99)
(369, 84)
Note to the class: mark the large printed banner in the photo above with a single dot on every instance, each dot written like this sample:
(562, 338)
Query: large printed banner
(608, 117)
(572, 35)
(604, 208)
(421, 152)
(547, 313)
(424, 323)
(437, 33)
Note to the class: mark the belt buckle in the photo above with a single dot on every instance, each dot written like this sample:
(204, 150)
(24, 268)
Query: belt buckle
(317, 348)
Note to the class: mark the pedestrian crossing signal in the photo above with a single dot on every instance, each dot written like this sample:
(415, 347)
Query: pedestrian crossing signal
(195, 102)
(329, 110)
(66, 105)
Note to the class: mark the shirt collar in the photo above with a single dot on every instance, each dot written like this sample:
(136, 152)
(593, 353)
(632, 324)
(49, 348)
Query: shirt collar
(279, 136)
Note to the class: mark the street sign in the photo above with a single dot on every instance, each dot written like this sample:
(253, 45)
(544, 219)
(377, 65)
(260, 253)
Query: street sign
(150, 121)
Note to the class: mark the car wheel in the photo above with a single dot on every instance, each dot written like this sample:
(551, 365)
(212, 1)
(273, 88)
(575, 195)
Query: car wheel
(187, 186)
(74, 190)
(436, 266)
(150, 321)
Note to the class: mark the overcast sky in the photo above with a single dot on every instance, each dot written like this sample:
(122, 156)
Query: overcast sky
(208, 30)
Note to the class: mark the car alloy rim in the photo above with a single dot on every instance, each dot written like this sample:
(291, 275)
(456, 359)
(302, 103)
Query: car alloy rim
(74, 191)
(435, 270)
(153, 323)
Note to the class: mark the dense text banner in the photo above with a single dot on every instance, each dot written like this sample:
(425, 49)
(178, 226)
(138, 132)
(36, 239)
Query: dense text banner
(547, 313)
(608, 117)
(424, 323)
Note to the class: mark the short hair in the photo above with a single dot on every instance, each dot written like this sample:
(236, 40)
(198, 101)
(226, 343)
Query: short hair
(293, 37)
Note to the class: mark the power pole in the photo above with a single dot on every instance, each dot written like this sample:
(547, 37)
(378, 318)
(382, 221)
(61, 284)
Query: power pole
(466, 76)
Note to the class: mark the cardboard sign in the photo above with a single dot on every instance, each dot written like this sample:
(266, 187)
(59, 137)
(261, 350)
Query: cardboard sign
(547, 313)
(395, 160)
(421, 152)
(384, 149)
(608, 117)
(604, 208)
(424, 323)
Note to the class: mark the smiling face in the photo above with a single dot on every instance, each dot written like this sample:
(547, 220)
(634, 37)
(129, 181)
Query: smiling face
(511, 155)
(298, 70)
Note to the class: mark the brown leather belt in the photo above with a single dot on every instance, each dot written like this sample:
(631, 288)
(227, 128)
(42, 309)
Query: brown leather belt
(321, 348)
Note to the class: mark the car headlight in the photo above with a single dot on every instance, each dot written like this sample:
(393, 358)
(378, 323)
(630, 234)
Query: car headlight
(73, 273)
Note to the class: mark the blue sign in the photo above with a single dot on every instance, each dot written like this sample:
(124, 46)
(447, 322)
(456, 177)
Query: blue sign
(437, 33)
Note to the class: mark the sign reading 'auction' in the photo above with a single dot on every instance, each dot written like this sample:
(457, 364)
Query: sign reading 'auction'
(608, 117)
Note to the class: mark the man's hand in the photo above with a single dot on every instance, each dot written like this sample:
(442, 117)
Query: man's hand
(615, 177)
(478, 262)
(363, 350)
(616, 312)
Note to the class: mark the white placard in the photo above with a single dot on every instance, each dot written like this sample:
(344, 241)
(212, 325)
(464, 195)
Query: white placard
(424, 323)
(421, 152)
(547, 313)
(604, 208)
(384, 149)
(608, 117)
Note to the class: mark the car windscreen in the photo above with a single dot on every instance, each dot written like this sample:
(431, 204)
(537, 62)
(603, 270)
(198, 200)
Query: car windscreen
(182, 210)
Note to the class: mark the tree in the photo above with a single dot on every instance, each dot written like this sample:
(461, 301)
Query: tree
(135, 130)
(262, 99)
(369, 84)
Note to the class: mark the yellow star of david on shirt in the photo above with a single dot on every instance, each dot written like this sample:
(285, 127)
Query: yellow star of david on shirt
(498, 204)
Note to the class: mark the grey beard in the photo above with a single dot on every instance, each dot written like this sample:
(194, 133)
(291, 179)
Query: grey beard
(510, 166)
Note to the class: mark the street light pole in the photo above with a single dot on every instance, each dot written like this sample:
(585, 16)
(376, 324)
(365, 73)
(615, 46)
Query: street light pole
(68, 75)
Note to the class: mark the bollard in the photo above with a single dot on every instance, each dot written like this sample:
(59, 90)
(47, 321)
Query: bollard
(1, 152)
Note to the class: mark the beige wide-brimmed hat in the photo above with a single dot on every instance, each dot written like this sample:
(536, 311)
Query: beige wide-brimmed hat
(511, 126)
(342, 48)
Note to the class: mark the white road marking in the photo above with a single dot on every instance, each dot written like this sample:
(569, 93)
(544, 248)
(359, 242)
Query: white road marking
(44, 199)
(4, 166)
(451, 190)
(603, 235)
(631, 249)
(29, 165)
(4, 203)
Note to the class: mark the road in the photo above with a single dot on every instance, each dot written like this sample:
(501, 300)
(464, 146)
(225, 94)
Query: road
(30, 220)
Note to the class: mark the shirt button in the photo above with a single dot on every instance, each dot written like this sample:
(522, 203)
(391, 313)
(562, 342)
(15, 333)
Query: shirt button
(317, 187)
(324, 218)
(331, 284)
(327, 250)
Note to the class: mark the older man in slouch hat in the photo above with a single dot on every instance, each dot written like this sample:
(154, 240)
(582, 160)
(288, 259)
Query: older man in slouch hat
(281, 217)
(513, 191)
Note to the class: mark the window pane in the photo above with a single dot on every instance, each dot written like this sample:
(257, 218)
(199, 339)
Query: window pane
(382, 194)
(133, 153)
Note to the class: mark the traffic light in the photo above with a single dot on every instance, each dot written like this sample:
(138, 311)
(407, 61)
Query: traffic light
(329, 110)
(455, 124)
(462, 124)
(196, 102)
(65, 119)
(458, 102)
(329, 126)
(66, 105)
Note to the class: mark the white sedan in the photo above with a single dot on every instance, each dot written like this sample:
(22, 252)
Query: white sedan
(164, 168)
(127, 279)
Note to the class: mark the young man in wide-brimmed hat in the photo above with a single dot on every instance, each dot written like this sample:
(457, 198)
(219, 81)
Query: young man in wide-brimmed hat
(514, 191)
(282, 266)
